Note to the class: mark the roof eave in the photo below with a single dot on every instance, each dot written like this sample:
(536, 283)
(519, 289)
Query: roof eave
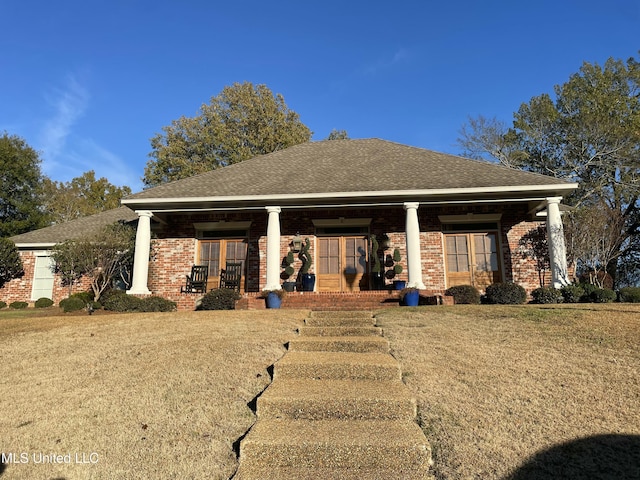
(551, 189)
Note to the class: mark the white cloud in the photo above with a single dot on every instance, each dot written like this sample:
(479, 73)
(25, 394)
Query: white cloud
(69, 104)
(400, 56)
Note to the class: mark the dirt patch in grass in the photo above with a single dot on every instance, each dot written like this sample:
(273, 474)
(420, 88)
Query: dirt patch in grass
(160, 395)
(524, 391)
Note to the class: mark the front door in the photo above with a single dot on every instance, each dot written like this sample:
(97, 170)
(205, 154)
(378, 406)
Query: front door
(472, 259)
(342, 264)
(216, 253)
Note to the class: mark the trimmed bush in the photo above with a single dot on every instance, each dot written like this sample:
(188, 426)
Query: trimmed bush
(18, 305)
(587, 290)
(545, 295)
(2, 304)
(43, 302)
(572, 293)
(602, 295)
(219, 299)
(464, 294)
(630, 294)
(505, 294)
(121, 302)
(157, 304)
(72, 304)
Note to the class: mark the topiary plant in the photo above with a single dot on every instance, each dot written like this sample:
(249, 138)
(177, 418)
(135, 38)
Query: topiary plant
(72, 304)
(305, 256)
(18, 305)
(219, 299)
(464, 294)
(506, 293)
(43, 302)
(544, 295)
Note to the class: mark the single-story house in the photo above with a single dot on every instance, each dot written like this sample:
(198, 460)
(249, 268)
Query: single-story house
(453, 221)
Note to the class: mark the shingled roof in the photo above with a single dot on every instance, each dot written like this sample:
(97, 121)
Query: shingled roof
(345, 167)
(73, 229)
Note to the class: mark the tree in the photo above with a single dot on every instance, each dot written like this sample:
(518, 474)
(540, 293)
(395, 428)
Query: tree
(104, 258)
(81, 197)
(589, 133)
(10, 261)
(241, 122)
(20, 187)
(338, 135)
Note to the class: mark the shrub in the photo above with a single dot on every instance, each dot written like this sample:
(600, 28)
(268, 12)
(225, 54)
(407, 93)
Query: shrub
(121, 302)
(18, 305)
(464, 294)
(587, 290)
(602, 295)
(547, 295)
(72, 304)
(505, 294)
(630, 294)
(219, 299)
(2, 304)
(43, 302)
(572, 293)
(157, 304)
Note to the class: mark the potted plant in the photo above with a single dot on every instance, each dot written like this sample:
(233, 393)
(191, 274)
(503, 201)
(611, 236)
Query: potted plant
(308, 280)
(287, 265)
(396, 269)
(273, 298)
(410, 296)
(377, 277)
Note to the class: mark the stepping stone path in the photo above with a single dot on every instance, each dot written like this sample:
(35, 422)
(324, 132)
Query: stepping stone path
(336, 409)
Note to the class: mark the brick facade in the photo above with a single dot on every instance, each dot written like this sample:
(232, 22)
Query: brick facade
(174, 248)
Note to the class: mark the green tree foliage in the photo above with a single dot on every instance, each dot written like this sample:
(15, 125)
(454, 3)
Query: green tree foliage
(241, 122)
(20, 187)
(81, 197)
(103, 258)
(338, 135)
(587, 132)
(10, 261)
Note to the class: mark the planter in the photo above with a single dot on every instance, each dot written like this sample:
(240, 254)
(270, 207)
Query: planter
(399, 284)
(308, 282)
(377, 281)
(289, 286)
(273, 300)
(411, 299)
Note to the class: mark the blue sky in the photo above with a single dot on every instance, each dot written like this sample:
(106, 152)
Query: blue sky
(88, 82)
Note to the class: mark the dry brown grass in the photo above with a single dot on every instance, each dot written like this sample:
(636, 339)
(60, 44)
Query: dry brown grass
(146, 395)
(502, 386)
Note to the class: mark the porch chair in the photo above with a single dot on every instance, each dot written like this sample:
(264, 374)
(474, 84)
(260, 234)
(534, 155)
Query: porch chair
(197, 281)
(230, 276)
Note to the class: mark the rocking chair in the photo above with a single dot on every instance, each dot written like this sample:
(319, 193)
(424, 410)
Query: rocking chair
(230, 276)
(197, 281)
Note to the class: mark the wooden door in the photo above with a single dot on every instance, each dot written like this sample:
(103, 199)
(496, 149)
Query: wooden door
(342, 264)
(472, 259)
(216, 253)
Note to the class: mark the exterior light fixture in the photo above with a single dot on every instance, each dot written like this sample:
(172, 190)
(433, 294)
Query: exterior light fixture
(296, 243)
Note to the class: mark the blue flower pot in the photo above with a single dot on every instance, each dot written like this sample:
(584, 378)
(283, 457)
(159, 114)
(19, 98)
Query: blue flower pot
(411, 299)
(273, 300)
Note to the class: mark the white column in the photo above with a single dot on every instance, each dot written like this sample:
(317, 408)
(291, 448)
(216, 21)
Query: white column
(141, 258)
(273, 249)
(555, 239)
(412, 232)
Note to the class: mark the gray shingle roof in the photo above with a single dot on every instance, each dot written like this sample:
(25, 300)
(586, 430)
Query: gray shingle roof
(75, 228)
(338, 166)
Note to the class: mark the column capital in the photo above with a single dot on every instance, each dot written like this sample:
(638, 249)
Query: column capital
(144, 213)
(273, 209)
(411, 205)
(553, 200)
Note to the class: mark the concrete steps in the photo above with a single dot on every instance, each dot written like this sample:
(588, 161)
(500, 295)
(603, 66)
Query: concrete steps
(336, 409)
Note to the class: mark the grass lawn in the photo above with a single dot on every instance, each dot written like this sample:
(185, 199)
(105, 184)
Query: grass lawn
(165, 395)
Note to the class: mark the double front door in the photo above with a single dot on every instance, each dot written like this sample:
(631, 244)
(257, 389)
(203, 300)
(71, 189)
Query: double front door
(472, 259)
(217, 253)
(342, 264)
